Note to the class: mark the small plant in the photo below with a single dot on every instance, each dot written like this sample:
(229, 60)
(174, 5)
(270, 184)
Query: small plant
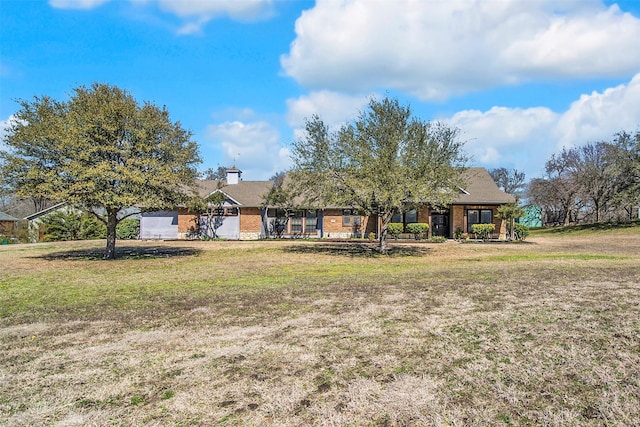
(522, 231)
(395, 228)
(438, 239)
(459, 234)
(418, 229)
(483, 231)
(372, 236)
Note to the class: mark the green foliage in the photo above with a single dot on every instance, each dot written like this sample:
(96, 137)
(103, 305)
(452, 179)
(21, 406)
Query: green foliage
(459, 234)
(418, 229)
(395, 229)
(72, 225)
(101, 149)
(438, 239)
(483, 231)
(128, 229)
(522, 231)
(385, 161)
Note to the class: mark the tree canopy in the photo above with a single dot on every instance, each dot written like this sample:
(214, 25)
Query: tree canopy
(590, 183)
(101, 151)
(385, 162)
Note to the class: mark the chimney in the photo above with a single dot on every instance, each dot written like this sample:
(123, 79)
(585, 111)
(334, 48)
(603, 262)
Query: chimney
(233, 175)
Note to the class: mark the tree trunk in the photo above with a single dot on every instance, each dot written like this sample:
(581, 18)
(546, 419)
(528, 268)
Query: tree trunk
(112, 222)
(383, 248)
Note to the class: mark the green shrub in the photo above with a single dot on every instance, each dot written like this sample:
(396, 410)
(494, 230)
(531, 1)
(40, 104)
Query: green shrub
(522, 231)
(438, 239)
(128, 229)
(395, 228)
(483, 231)
(69, 225)
(418, 229)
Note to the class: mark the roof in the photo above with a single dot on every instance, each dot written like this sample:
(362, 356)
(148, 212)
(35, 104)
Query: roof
(481, 189)
(7, 217)
(246, 193)
(45, 211)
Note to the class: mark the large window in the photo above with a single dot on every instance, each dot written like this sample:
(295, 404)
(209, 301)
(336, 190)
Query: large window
(408, 217)
(350, 218)
(478, 216)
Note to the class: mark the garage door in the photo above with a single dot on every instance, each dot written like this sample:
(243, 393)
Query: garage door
(159, 225)
(226, 227)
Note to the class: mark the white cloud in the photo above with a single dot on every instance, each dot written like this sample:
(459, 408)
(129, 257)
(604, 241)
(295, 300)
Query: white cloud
(253, 147)
(4, 128)
(525, 138)
(435, 49)
(76, 4)
(195, 13)
(599, 115)
(332, 107)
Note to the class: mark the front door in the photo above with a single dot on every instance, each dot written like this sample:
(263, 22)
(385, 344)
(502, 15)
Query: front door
(440, 224)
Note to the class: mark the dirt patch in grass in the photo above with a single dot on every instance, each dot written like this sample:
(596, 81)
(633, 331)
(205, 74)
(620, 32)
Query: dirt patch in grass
(304, 333)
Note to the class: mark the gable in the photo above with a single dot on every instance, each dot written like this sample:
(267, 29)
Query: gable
(481, 189)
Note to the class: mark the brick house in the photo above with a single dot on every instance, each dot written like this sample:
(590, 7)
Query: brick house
(244, 216)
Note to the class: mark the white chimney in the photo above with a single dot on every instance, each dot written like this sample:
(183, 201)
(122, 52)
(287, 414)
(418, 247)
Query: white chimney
(233, 175)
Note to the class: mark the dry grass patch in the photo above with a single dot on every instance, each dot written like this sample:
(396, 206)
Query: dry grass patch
(304, 333)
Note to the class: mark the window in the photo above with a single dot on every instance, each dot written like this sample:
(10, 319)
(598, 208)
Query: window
(478, 216)
(411, 216)
(350, 218)
(311, 222)
(220, 211)
(296, 223)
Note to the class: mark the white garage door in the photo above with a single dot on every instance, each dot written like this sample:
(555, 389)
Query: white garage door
(159, 225)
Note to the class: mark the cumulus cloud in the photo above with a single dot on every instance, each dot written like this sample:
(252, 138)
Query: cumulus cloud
(436, 49)
(525, 138)
(195, 14)
(332, 107)
(253, 147)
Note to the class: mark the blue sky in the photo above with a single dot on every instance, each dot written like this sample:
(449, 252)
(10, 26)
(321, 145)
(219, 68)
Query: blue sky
(520, 78)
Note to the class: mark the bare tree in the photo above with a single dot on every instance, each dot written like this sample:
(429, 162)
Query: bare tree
(509, 180)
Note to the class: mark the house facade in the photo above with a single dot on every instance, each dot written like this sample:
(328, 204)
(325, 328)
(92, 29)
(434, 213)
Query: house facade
(244, 216)
(8, 224)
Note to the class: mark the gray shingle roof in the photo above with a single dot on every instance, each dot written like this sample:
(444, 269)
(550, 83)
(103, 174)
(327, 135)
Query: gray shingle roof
(7, 217)
(246, 193)
(481, 189)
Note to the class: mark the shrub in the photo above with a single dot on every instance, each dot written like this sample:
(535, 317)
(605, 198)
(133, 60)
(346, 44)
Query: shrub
(128, 229)
(418, 229)
(522, 231)
(395, 228)
(483, 231)
(70, 225)
(438, 239)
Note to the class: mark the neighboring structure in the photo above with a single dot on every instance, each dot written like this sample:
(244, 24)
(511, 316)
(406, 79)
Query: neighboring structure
(35, 224)
(244, 216)
(7, 224)
(35, 227)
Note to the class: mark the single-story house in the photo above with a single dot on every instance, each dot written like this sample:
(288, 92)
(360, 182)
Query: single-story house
(7, 224)
(244, 216)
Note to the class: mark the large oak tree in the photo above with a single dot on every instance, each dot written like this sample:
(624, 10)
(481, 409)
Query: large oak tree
(384, 162)
(101, 151)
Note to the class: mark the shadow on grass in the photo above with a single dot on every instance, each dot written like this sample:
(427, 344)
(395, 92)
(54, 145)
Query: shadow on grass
(357, 250)
(123, 252)
(598, 226)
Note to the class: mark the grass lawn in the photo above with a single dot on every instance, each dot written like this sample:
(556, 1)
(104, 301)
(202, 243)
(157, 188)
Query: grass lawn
(545, 332)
